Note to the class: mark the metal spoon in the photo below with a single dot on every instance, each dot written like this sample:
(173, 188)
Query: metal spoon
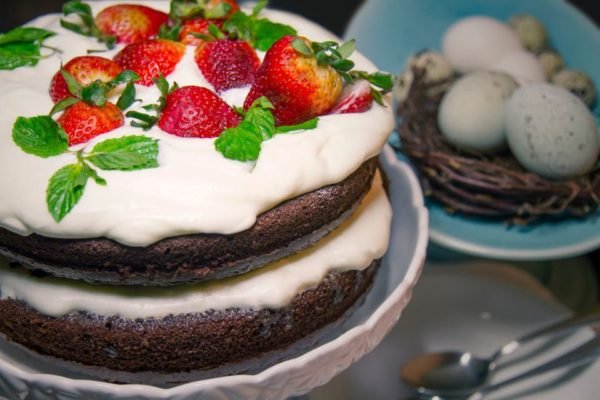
(448, 373)
(579, 356)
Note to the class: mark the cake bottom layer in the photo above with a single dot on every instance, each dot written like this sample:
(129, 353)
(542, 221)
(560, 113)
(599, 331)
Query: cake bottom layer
(185, 347)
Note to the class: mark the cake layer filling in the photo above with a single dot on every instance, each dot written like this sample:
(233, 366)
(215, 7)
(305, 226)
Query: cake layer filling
(353, 246)
(194, 189)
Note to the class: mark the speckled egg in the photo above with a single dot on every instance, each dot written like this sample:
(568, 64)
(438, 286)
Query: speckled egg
(476, 42)
(577, 82)
(551, 61)
(471, 114)
(436, 69)
(551, 132)
(522, 65)
(530, 30)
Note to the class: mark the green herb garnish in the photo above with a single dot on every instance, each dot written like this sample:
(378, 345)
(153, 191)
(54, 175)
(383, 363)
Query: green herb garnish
(243, 142)
(22, 46)
(43, 137)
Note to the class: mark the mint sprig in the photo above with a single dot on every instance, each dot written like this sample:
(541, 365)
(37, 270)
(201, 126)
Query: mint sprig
(22, 47)
(148, 120)
(88, 26)
(261, 33)
(43, 137)
(243, 142)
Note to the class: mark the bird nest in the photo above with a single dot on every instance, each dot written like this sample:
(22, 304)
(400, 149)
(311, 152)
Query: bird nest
(487, 185)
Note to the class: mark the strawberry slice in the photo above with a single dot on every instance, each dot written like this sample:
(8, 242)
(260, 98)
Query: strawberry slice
(197, 26)
(85, 70)
(227, 63)
(150, 58)
(130, 23)
(355, 98)
(298, 86)
(83, 121)
(193, 111)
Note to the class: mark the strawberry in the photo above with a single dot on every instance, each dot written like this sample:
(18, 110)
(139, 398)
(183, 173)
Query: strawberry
(193, 111)
(150, 58)
(355, 98)
(85, 70)
(199, 26)
(227, 63)
(83, 121)
(297, 85)
(130, 23)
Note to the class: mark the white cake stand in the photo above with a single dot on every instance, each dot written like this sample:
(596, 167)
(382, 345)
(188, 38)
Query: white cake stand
(22, 376)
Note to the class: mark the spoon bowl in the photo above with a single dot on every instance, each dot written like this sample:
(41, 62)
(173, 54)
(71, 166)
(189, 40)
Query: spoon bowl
(453, 373)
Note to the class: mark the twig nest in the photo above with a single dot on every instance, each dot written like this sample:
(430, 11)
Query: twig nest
(551, 132)
(578, 83)
(471, 114)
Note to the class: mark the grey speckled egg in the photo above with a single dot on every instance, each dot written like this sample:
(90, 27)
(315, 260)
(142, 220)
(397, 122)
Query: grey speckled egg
(551, 61)
(530, 30)
(471, 114)
(578, 83)
(436, 69)
(551, 132)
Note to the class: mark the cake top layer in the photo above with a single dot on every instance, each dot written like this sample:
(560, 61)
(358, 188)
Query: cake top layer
(194, 188)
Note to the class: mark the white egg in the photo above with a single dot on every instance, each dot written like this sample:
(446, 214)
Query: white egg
(551, 132)
(471, 114)
(477, 42)
(522, 65)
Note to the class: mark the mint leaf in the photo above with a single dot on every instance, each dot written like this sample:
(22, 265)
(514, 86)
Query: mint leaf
(240, 143)
(310, 124)
(125, 153)
(259, 115)
(40, 136)
(25, 35)
(267, 32)
(15, 55)
(65, 189)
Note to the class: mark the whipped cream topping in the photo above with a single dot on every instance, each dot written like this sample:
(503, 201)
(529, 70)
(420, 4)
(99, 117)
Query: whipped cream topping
(194, 189)
(359, 240)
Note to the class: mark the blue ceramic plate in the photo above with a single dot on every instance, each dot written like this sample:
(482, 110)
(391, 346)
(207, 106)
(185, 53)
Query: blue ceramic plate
(390, 31)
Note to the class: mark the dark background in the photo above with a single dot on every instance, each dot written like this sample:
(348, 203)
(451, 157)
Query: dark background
(332, 14)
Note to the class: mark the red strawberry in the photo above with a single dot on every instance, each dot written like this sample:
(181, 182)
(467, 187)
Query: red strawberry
(85, 70)
(355, 98)
(82, 121)
(130, 23)
(196, 25)
(150, 58)
(227, 63)
(193, 111)
(298, 87)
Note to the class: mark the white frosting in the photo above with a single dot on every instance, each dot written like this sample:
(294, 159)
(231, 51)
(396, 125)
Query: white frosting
(359, 240)
(194, 189)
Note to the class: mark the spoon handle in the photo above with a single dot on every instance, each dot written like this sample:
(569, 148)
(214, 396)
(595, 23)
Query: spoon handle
(581, 355)
(563, 326)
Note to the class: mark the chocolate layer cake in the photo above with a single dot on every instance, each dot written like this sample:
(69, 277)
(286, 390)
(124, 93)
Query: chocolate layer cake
(144, 255)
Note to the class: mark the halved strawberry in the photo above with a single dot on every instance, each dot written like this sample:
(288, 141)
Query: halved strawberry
(130, 23)
(83, 121)
(227, 63)
(355, 98)
(197, 26)
(85, 70)
(297, 85)
(150, 58)
(193, 111)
